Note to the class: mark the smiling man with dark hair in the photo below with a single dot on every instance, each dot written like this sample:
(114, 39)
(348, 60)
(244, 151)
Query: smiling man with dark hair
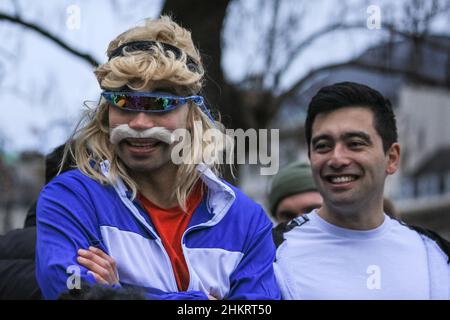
(350, 248)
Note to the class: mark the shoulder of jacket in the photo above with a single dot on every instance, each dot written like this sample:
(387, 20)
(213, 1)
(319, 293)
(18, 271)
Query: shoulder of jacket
(284, 227)
(442, 243)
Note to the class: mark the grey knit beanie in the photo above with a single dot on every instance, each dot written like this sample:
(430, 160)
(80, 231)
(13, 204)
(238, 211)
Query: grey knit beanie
(292, 179)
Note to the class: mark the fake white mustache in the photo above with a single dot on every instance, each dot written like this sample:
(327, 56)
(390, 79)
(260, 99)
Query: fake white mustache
(123, 131)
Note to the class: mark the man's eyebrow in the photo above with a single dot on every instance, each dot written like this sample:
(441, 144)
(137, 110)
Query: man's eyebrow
(321, 137)
(357, 134)
(345, 136)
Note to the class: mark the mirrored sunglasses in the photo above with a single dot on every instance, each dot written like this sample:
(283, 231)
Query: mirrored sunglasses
(152, 102)
(147, 101)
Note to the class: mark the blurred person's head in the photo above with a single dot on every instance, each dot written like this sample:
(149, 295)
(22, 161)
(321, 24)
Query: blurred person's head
(293, 192)
(150, 85)
(352, 142)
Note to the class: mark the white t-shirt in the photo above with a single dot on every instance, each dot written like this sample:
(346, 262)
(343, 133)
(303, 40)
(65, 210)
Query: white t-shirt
(319, 260)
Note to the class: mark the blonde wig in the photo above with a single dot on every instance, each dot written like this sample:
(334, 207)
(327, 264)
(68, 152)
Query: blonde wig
(146, 71)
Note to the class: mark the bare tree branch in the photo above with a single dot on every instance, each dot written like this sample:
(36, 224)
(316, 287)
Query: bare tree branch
(358, 65)
(315, 36)
(272, 35)
(392, 29)
(17, 8)
(290, 34)
(46, 34)
(339, 26)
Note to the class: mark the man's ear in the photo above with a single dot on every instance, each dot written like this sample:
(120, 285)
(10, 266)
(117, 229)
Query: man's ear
(393, 155)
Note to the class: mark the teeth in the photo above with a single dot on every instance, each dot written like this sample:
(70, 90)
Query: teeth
(141, 144)
(342, 179)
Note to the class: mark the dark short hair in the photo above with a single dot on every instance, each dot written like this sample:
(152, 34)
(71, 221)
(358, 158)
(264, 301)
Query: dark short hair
(351, 94)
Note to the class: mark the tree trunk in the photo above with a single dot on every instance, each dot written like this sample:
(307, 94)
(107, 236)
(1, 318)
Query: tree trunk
(205, 18)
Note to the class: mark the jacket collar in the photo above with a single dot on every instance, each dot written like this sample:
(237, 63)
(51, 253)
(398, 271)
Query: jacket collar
(220, 196)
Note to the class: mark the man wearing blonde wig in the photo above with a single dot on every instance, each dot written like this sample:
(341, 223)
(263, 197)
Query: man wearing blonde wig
(128, 214)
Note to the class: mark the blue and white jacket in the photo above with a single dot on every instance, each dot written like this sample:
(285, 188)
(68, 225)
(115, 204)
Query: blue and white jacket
(228, 245)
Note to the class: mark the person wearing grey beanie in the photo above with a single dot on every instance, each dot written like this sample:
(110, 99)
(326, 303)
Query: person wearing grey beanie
(293, 192)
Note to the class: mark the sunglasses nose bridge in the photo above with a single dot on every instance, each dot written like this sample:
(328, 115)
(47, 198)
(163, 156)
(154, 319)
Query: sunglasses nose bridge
(141, 121)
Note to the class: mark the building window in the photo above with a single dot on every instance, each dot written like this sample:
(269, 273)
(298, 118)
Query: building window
(447, 182)
(406, 189)
(428, 185)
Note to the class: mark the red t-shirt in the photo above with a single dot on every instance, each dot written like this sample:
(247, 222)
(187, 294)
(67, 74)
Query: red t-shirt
(170, 225)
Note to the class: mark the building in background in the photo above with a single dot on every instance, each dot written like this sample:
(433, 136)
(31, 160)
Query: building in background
(21, 179)
(420, 190)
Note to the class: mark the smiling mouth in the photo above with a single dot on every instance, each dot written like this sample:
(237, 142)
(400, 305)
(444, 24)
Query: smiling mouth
(341, 179)
(142, 143)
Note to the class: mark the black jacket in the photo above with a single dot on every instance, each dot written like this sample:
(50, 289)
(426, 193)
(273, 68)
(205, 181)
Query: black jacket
(18, 247)
(17, 268)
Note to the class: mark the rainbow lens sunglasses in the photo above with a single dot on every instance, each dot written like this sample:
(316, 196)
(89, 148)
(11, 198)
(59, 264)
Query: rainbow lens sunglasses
(151, 102)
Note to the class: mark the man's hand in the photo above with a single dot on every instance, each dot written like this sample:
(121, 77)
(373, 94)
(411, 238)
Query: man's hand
(100, 265)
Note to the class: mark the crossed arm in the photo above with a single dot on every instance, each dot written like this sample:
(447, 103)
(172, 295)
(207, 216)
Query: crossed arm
(103, 267)
(99, 264)
(66, 222)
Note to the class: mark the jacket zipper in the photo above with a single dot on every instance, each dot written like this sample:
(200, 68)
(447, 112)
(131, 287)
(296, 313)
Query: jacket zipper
(161, 246)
